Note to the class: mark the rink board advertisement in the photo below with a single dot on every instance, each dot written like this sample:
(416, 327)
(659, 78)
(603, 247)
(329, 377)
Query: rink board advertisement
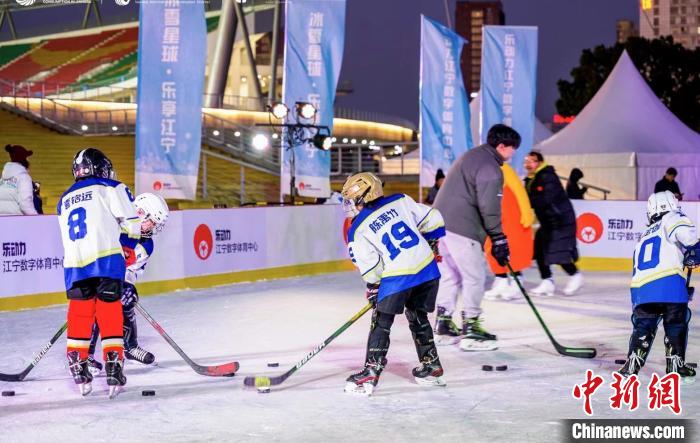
(171, 62)
(195, 243)
(444, 107)
(313, 55)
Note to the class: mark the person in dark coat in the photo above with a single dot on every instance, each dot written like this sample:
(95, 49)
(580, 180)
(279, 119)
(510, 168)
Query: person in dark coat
(432, 193)
(555, 240)
(668, 183)
(573, 189)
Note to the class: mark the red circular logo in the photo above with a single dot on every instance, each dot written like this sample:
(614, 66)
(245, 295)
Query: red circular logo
(302, 186)
(589, 228)
(203, 241)
(157, 186)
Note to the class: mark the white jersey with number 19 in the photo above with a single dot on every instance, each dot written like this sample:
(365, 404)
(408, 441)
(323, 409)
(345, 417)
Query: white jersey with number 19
(92, 214)
(388, 242)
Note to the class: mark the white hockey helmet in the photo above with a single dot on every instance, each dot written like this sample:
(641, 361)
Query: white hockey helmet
(152, 207)
(659, 204)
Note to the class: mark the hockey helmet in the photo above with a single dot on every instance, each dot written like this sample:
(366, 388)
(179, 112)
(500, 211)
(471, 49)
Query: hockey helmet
(362, 188)
(659, 204)
(151, 207)
(91, 162)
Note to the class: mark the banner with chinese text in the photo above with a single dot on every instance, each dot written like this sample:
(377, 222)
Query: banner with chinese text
(171, 61)
(313, 55)
(444, 108)
(509, 83)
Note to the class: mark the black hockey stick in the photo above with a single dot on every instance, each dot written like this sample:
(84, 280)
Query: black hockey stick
(262, 382)
(44, 350)
(563, 350)
(690, 289)
(225, 370)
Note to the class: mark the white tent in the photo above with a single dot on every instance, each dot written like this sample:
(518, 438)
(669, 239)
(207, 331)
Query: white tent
(625, 139)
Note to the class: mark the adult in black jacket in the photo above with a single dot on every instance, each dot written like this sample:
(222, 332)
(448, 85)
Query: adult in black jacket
(574, 190)
(555, 241)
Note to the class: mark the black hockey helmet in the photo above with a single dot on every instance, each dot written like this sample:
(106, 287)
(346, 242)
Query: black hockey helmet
(91, 162)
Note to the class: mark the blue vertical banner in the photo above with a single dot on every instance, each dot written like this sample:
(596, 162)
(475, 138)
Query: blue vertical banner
(509, 83)
(313, 55)
(444, 108)
(171, 60)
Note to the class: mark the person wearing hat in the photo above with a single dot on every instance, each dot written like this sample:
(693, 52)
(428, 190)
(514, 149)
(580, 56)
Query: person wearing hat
(668, 183)
(432, 193)
(16, 188)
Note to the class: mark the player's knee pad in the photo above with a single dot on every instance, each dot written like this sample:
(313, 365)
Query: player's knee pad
(110, 290)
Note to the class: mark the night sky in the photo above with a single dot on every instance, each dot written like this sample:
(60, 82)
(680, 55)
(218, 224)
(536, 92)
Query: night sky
(383, 37)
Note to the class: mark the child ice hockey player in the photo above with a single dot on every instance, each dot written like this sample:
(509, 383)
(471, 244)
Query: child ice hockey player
(153, 213)
(92, 214)
(392, 242)
(659, 289)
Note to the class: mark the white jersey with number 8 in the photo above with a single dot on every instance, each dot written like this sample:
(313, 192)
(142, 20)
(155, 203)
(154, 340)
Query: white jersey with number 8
(92, 214)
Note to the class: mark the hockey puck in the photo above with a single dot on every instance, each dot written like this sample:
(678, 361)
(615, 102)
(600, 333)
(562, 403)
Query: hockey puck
(486, 368)
(263, 390)
(692, 365)
(273, 365)
(148, 393)
(620, 362)
(8, 393)
(502, 368)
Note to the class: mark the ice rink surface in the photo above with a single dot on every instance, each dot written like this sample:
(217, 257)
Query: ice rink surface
(280, 321)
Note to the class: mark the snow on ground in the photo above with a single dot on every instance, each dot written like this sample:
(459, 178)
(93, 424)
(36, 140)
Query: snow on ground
(280, 321)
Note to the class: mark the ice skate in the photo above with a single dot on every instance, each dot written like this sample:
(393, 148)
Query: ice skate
(80, 372)
(675, 363)
(476, 338)
(115, 376)
(544, 289)
(511, 292)
(446, 331)
(499, 287)
(94, 366)
(140, 355)
(632, 366)
(429, 373)
(574, 284)
(364, 382)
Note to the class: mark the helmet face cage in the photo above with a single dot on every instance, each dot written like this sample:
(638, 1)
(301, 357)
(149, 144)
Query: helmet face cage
(154, 209)
(362, 188)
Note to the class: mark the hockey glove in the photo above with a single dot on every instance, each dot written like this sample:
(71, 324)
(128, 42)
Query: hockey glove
(129, 255)
(436, 250)
(691, 258)
(499, 249)
(129, 296)
(372, 292)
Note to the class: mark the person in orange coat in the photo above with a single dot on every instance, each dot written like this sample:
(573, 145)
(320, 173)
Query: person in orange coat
(517, 218)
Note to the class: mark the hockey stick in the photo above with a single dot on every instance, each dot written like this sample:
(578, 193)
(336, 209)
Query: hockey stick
(225, 370)
(262, 382)
(690, 289)
(563, 350)
(44, 350)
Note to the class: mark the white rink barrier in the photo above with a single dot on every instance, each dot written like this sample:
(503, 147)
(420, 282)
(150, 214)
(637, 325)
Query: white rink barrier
(198, 248)
(201, 248)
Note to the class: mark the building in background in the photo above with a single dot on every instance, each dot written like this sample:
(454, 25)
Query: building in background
(470, 16)
(625, 29)
(677, 18)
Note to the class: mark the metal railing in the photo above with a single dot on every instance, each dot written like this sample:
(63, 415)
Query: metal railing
(604, 191)
(384, 160)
